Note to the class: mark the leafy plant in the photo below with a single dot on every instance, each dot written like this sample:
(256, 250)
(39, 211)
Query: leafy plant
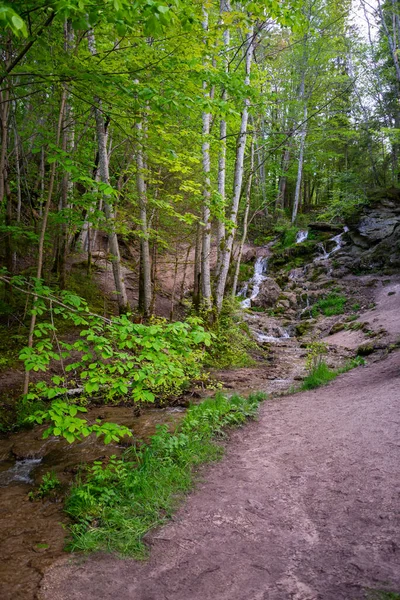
(117, 357)
(114, 504)
(333, 304)
(65, 423)
(319, 375)
(232, 341)
(49, 483)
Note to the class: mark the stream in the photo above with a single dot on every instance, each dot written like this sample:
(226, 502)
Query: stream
(33, 534)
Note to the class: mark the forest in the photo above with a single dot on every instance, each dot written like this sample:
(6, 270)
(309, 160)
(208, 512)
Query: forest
(174, 178)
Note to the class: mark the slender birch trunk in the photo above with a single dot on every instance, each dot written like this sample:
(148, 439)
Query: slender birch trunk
(245, 219)
(224, 8)
(108, 210)
(280, 197)
(238, 179)
(68, 137)
(303, 136)
(145, 262)
(206, 214)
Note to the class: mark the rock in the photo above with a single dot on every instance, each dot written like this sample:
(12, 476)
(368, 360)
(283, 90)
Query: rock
(303, 328)
(268, 294)
(377, 226)
(336, 327)
(325, 227)
(292, 298)
(365, 349)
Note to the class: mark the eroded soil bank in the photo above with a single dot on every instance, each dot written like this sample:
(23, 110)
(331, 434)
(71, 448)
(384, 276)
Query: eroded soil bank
(305, 506)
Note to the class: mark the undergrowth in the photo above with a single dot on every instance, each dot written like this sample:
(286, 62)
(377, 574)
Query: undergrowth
(113, 505)
(331, 305)
(321, 373)
(232, 342)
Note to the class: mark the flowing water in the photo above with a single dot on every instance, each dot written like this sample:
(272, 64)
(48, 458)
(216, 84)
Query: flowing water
(337, 240)
(301, 236)
(33, 532)
(260, 274)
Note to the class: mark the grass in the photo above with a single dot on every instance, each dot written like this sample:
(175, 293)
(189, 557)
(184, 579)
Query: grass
(331, 305)
(382, 595)
(114, 505)
(321, 374)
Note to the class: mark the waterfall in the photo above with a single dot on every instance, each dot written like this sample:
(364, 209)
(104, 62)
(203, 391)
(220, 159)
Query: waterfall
(337, 239)
(301, 236)
(260, 269)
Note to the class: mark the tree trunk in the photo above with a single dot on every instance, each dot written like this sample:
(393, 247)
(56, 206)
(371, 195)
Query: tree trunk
(206, 216)
(224, 7)
(108, 210)
(245, 219)
(303, 136)
(42, 238)
(146, 287)
(238, 178)
(280, 198)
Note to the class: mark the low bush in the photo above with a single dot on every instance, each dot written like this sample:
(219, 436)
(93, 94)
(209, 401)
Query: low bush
(113, 505)
(334, 304)
(50, 482)
(232, 341)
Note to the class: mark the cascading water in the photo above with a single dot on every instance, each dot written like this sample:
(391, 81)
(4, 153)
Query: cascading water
(20, 472)
(260, 270)
(337, 239)
(301, 236)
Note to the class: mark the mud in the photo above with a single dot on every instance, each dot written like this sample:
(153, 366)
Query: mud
(305, 505)
(33, 533)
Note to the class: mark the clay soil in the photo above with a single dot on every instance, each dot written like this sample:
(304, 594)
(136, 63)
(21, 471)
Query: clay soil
(304, 506)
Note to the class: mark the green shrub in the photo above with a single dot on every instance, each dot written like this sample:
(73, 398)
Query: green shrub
(115, 504)
(50, 482)
(116, 357)
(331, 305)
(232, 341)
(320, 375)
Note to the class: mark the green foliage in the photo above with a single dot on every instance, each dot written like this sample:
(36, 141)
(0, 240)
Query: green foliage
(65, 423)
(232, 341)
(315, 351)
(319, 375)
(115, 504)
(289, 237)
(119, 358)
(333, 304)
(383, 595)
(11, 20)
(50, 482)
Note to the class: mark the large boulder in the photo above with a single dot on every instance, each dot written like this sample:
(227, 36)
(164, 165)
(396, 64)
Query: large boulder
(268, 294)
(378, 225)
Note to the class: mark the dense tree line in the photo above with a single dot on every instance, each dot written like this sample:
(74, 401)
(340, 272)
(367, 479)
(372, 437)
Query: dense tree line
(157, 124)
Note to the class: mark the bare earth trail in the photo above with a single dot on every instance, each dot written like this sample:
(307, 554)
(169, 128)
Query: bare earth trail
(304, 506)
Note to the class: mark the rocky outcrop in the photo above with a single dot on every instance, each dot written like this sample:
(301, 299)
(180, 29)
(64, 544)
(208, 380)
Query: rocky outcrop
(268, 294)
(373, 240)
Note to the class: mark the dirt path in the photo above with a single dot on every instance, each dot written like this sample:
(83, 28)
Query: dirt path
(304, 506)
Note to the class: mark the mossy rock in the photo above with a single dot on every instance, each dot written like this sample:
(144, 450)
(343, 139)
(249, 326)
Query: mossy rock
(303, 328)
(337, 327)
(365, 349)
